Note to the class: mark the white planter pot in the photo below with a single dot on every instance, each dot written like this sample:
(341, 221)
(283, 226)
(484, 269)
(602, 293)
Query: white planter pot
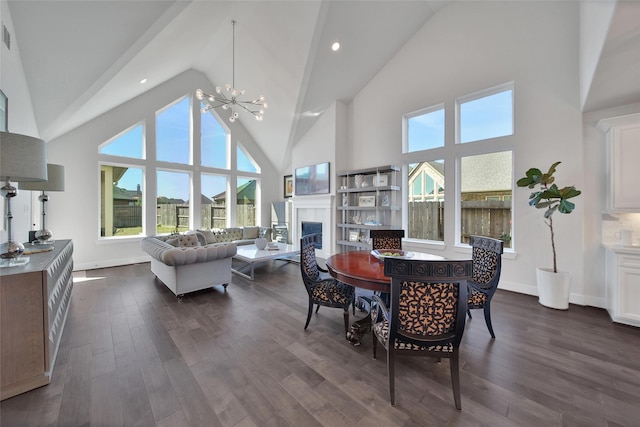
(553, 288)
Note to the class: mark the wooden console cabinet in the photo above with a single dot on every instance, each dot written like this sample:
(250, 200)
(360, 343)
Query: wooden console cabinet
(34, 300)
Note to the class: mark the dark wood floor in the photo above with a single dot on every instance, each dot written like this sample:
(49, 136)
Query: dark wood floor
(132, 355)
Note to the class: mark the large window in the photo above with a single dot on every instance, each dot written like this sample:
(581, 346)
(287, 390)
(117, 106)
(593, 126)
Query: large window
(480, 197)
(121, 200)
(214, 201)
(487, 114)
(214, 142)
(128, 144)
(246, 202)
(173, 133)
(425, 207)
(485, 196)
(187, 195)
(425, 129)
(246, 163)
(173, 201)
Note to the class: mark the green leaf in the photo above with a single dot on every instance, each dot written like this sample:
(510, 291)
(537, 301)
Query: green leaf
(566, 207)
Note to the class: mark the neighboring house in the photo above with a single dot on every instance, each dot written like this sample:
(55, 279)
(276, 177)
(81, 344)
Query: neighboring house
(426, 182)
(483, 179)
(246, 195)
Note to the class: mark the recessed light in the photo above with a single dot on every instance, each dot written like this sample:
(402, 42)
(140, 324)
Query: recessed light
(335, 46)
(143, 81)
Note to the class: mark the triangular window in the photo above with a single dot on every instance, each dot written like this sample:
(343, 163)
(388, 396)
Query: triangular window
(245, 163)
(127, 144)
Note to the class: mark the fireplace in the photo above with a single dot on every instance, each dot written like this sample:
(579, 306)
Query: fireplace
(318, 209)
(309, 227)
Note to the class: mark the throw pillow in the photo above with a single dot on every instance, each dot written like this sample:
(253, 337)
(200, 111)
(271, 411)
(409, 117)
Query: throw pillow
(209, 236)
(201, 239)
(250, 232)
(173, 242)
(187, 240)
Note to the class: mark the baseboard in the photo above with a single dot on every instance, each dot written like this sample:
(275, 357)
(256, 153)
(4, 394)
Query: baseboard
(92, 265)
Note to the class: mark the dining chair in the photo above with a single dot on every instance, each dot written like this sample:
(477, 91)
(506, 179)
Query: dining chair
(427, 314)
(380, 239)
(321, 287)
(386, 239)
(487, 263)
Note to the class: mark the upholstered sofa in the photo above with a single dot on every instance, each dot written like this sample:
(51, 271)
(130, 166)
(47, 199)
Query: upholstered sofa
(185, 265)
(237, 235)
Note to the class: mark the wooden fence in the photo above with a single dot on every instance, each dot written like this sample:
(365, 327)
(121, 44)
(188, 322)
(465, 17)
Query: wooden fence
(485, 218)
(173, 215)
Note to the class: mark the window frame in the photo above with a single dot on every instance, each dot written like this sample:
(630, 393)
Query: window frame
(451, 154)
(484, 93)
(417, 113)
(112, 163)
(151, 165)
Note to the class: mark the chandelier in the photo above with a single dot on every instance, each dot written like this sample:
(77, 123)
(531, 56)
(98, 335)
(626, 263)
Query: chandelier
(227, 98)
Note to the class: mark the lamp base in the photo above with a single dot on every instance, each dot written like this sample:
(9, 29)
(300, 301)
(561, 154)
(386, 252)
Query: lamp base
(11, 250)
(42, 237)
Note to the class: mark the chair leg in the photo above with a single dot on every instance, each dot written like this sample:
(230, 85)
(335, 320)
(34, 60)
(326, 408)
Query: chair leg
(374, 340)
(317, 308)
(469, 313)
(455, 379)
(487, 319)
(392, 372)
(309, 314)
(346, 319)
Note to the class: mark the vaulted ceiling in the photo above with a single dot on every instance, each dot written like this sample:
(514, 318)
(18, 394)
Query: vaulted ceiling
(83, 58)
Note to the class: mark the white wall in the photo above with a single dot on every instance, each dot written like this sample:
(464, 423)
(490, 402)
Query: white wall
(21, 120)
(595, 19)
(319, 144)
(75, 213)
(470, 46)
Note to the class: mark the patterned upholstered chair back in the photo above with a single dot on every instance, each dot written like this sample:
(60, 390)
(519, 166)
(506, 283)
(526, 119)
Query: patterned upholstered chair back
(308, 263)
(487, 260)
(487, 264)
(386, 239)
(428, 302)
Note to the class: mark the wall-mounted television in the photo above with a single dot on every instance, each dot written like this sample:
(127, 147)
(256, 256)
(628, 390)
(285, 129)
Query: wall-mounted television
(312, 179)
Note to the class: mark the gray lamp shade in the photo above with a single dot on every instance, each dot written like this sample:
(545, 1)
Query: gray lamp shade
(54, 182)
(22, 158)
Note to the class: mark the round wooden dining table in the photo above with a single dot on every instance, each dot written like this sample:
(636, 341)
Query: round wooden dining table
(362, 269)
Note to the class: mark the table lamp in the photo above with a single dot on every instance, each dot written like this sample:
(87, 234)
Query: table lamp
(54, 182)
(22, 158)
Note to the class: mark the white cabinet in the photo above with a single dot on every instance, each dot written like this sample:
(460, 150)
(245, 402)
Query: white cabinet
(623, 284)
(623, 152)
(368, 199)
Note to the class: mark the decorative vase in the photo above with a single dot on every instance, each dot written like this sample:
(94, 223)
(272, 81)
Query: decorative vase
(358, 180)
(553, 288)
(261, 243)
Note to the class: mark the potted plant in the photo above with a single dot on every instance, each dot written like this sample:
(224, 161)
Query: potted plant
(553, 286)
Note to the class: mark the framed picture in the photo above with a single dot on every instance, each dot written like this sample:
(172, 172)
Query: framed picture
(4, 111)
(366, 201)
(354, 236)
(288, 185)
(380, 180)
